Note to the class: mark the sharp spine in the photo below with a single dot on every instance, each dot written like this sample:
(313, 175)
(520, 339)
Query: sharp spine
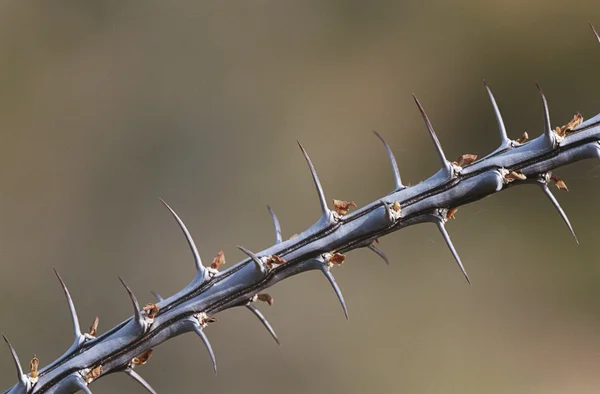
(325, 270)
(130, 372)
(263, 320)
(20, 375)
(204, 338)
(444, 162)
(278, 236)
(562, 213)
(197, 260)
(595, 32)
(259, 263)
(79, 382)
(158, 296)
(320, 192)
(74, 318)
(379, 253)
(504, 140)
(136, 306)
(442, 228)
(547, 125)
(397, 179)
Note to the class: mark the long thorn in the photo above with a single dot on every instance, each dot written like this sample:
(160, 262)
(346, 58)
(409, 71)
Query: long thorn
(74, 318)
(259, 263)
(336, 288)
(136, 305)
(81, 384)
(397, 179)
(547, 124)
(188, 237)
(503, 135)
(562, 214)
(595, 32)
(158, 296)
(204, 338)
(20, 374)
(263, 320)
(278, 236)
(315, 177)
(434, 137)
(442, 229)
(130, 372)
(379, 253)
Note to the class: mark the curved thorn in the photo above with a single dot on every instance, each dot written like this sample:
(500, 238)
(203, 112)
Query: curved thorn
(595, 32)
(315, 177)
(434, 137)
(20, 374)
(158, 296)
(388, 211)
(257, 261)
(82, 386)
(392, 159)
(547, 124)
(264, 321)
(562, 214)
(503, 136)
(188, 237)
(442, 229)
(379, 253)
(136, 305)
(204, 338)
(278, 236)
(130, 372)
(74, 318)
(336, 288)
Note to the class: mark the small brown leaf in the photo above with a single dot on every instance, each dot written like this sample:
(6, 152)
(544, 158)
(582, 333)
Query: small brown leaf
(524, 138)
(465, 160)
(34, 364)
(264, 297)
(337, 258)
(396, 206)
(573, 123)
(94, 326)
(142, 358)
(93, 374)
(151, 310)
(294, 236)
(342, 207)
(559, 183)
(274, 260)
(514, 175)
(218, 260)
(451, 212)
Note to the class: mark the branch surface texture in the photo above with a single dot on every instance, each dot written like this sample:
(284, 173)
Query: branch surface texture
(321, 247)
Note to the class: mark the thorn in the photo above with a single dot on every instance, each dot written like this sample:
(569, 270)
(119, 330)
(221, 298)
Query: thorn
(158, 296)
(434, 137)
(204, 338)
(504, 141)
(74, 318)
(442, 229)
(320, 192)
(595, 32)
(20, 374)
(136, 305)
(197, 261)
(82, 385)
(259, 263)
(130, 372)
(562, 214)
(94, 326)
(336, 288)
(379, 253)
(547, 125)
(397, 179)
(342, 207)
(218, 261)
(278, 236)
(264, 321)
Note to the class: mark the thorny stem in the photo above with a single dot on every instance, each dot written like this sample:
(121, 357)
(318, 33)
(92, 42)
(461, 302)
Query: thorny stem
(318, 248)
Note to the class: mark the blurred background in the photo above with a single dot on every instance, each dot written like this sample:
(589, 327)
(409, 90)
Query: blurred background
(107, 106)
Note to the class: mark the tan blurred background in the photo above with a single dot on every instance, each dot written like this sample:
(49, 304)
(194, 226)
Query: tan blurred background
(107, 106)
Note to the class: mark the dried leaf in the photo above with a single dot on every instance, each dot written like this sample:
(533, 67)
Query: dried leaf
(93, 374)
(337, 258)
(274, 260)
(342, 207)
(396, 206)
(294, 236)
(151, 310)
(94, 326)
(142, 358)
(218, 260)
(514, 175)
(450, 213)
(559, 183)
(573, 123)
(33, 365)
(264, 297)
(465, 160)
(524, 138)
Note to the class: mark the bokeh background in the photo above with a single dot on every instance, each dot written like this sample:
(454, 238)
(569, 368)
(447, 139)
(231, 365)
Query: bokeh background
(107, 106)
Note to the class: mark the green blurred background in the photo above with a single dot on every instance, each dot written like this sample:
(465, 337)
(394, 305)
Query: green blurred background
(107, 106)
